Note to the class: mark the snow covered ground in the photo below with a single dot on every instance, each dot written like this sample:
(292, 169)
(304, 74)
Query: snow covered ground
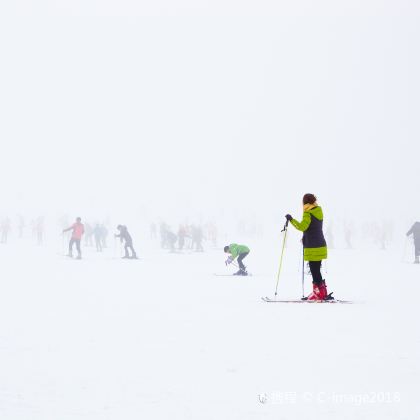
(163, 338)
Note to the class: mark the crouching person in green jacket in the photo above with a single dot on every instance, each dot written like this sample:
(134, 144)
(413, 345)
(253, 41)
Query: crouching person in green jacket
(240, 252)
(314, 244)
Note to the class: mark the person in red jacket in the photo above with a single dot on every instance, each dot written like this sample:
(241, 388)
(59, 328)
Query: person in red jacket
(78, 230)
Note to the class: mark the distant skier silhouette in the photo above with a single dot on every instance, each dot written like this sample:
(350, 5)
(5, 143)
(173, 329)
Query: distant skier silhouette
(415, 231)
(5, 228)
(97, 233)
(78, 230)
(128, 242)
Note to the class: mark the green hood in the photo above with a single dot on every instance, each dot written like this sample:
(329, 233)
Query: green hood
(317, 212)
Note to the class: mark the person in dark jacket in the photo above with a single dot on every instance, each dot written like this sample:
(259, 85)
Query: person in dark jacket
(128, 242)
(197, 238)
(314, 244)
(182, 233)
(415, 231)
(97, 233)
(171, 239)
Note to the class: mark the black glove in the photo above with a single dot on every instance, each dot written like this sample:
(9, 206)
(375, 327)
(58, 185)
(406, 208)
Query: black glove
(288, 217)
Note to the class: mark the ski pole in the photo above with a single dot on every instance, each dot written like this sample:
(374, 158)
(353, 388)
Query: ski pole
(303, 271)
(282, 253)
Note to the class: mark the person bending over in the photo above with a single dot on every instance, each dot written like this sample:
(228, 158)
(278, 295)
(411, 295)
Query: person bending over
(239, 252)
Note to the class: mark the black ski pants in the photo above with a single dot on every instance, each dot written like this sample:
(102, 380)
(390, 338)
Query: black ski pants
(315, 267)
(240, 259)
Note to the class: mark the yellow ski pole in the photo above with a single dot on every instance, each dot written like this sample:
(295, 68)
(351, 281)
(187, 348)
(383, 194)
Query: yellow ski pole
(282, 253)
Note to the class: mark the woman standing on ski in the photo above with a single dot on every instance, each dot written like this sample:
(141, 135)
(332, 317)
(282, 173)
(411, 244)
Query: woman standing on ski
(314, 244)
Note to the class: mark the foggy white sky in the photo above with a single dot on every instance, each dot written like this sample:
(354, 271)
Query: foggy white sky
(181, 107)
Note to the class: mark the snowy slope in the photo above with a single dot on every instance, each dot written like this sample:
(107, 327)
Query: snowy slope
(163, 338)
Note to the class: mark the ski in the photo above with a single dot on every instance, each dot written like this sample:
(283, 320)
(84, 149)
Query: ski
(121, 258)
(267, 299)
(231, 275)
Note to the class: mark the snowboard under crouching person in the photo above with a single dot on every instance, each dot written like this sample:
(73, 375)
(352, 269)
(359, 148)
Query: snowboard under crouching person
(314, 244)
(128, 242)
(415, 231)
(78, 229)
(240, 252)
